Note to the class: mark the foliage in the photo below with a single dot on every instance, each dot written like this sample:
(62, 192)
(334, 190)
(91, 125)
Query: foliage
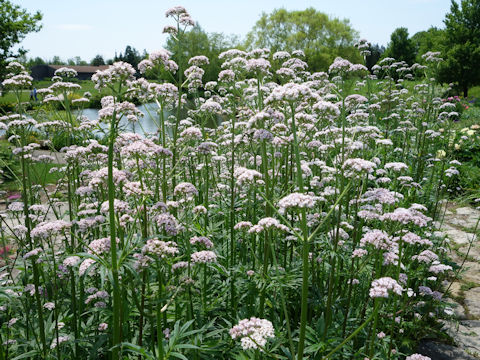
(467, 150)
(428, 40)
(198, 42)
(56, 60)
(15, 24)
(97, 61)
(77, 60)
(131, 56)
(376, 52)
(462, 45)
(319, 36)
(401, 47)
(9, 166)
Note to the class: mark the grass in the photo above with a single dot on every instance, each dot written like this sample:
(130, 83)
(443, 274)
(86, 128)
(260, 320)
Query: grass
(474, 92)
(9, 97)
(40, 172)
(40, 175)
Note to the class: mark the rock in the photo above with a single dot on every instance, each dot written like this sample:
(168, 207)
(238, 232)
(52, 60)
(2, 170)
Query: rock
(466, 334)
(59, 157)
(458, 236)
(438, 351)
(468, 211)
(458, 310)
(464, 223)
(455, 289)
(471, 272)
(474, 251)
(472, 301)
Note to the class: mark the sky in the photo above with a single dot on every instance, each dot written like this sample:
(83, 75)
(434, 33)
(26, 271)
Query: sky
(86, 28)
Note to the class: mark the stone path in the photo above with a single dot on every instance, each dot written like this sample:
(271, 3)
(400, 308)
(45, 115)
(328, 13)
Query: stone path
(59, 157)
(461, 227)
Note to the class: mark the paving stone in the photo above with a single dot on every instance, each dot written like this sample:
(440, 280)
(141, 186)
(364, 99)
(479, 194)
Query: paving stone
(466, 334)
(468, 222)
(468, 211)
(471, 272)
(455, 289)
(474, 251)
(458, 236)
(458, 310)
(472, 301)
(59, 157)
(438, 351)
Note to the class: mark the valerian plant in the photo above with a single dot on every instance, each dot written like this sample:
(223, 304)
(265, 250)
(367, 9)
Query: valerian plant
(274, 214)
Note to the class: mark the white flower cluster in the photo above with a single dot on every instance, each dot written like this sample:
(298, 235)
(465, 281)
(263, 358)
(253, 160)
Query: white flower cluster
(160, 248)
(359, 165)
(118, 71)
(291, 92)
(204, 256)
(244, 175)
(263, 224)
(186, 189)
(417, 357)
(253, 332)
(66, 72)
(46, 229)
(380, 287)
(296, 200)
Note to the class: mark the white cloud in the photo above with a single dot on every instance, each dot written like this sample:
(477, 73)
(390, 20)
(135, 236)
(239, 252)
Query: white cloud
(74, 27)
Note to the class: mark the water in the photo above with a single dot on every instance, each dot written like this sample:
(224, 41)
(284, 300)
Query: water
(146, 124)
(150, 122)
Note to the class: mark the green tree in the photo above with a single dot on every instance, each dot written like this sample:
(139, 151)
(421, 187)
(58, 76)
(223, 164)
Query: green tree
(76, 60)
(428, 40)
(97, 61)
(462, 45)
(321, 38)
(376, 52)
(401, 47)
(131, 56)
(56, 60)
(198, 42)
(35, 61)
(15, 24)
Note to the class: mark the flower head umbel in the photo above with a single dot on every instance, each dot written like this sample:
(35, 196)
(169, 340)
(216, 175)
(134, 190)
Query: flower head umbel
(296, 200)
(380, 287)
(253, 332)
(417, 357)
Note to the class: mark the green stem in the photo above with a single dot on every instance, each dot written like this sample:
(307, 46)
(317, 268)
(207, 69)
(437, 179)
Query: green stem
(113, 243)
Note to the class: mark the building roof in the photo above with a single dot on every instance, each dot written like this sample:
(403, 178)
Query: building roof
(80, 68)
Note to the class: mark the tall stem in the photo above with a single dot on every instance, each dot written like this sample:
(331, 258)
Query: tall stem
(305, 250)
(113, 243)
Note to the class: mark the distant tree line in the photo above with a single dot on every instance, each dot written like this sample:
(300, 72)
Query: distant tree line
(321, 37)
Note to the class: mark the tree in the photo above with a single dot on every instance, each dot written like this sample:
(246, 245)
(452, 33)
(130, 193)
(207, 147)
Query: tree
(131, 56)
(15, 24)
(401, 47)
(97, 61)
(34, 61)
(76, 60)
(319, 36)
(56, 60)
(198, 42)
(429, 40)
(462, 45)
(376, 52)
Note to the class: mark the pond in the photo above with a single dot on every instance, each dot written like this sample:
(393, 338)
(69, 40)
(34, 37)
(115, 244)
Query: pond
(147, 124)
(150, 122)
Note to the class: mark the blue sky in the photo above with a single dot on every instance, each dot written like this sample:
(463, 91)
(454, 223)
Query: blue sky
(89, 27)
